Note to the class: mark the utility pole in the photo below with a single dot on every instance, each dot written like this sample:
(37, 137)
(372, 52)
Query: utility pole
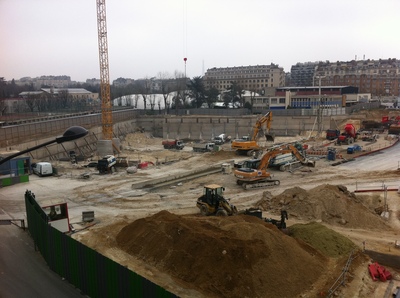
(319, 108)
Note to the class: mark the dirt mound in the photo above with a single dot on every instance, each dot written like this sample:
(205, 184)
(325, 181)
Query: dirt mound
(327, 203)
(141, 140)
(221, 155)
(329, 243)
(237, 256)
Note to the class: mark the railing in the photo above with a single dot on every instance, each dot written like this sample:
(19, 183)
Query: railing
(391, 185)
(341, 280)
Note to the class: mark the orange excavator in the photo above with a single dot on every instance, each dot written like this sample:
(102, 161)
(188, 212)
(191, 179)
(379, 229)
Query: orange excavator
(249, 146)
(253, 173)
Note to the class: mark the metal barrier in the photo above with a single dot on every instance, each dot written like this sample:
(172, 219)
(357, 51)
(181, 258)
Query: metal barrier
(391, 185)
(94, 274)
(341, 280)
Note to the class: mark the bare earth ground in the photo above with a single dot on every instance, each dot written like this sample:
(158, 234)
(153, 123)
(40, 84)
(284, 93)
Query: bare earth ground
(160, 235)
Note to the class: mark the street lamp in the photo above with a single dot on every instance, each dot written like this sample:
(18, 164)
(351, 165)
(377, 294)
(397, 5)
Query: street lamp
(72, 133)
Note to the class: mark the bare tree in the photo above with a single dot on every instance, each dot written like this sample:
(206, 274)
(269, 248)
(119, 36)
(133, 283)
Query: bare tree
(168, 104)
(152, 100)
(32, 101)
(119, 101)
(128, 100)
(145, 90)
(180, 87)
(166, 87)
(3, 88)
(65, 98)
(20, 106)
(136, 99)
(3, 106)
(159, 105)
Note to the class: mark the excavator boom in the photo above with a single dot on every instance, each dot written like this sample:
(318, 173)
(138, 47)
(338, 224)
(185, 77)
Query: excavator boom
(259, 177)
(247, 147)
(267, 119)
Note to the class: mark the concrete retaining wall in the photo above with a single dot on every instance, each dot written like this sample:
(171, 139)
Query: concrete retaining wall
(205, 127)
(26, 136)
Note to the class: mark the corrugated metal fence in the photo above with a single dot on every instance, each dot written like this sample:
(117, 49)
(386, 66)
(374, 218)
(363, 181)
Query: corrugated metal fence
(94, 274)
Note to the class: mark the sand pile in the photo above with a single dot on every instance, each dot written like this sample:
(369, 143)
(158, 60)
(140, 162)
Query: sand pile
(327, 203)
(141, 139)
(237, 256)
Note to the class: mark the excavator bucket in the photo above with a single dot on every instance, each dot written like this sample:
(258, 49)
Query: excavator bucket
(269, 137)
(310, 163)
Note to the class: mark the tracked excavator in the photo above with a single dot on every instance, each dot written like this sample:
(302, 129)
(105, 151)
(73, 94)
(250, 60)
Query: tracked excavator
(248, 147)
(253, 173)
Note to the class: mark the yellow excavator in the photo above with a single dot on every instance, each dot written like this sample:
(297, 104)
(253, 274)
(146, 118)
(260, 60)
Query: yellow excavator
(249, 146)
(253, 173)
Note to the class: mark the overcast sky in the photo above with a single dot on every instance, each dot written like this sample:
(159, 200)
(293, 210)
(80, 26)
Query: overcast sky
(59, 37)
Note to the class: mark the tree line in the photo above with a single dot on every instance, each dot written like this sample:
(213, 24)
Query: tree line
(177, 93)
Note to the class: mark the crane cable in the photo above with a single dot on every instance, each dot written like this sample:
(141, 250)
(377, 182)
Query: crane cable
(185, 32)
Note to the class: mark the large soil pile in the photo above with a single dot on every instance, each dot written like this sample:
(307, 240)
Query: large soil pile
(327, 203)
(236, 256)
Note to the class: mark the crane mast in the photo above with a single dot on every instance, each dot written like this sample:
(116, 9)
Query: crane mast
(106, 112)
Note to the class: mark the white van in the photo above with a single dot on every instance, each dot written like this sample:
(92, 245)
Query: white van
(42, 169)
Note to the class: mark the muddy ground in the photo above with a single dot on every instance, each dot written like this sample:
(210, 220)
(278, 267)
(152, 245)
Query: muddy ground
(161, 235)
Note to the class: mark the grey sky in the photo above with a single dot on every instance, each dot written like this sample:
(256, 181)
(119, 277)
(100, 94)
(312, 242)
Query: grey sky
(59, 37)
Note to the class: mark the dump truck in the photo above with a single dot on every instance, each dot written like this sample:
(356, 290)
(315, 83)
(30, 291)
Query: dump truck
(205, 147)
(174, 144)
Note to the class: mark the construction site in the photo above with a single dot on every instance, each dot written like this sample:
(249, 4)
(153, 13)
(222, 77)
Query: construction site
(288, 218)
(225, 206)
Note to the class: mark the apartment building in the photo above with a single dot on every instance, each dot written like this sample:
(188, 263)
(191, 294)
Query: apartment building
(302, 74)
(54, 81)
(256, 78)
(311, 97)
(378, 77)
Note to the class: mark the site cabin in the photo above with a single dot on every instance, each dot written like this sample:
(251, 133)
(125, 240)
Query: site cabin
(57, 216)
(42, 169)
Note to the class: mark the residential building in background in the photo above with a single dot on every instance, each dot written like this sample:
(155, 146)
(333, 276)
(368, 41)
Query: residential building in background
(74, 93)
(256, 78)
(302, 74)
(122, 82)
(378, 77)
(311, 97)
(50, 81)
(93, 81)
